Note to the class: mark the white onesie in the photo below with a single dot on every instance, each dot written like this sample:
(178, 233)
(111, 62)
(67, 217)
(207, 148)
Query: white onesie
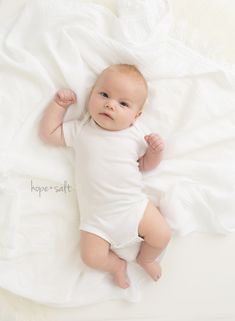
(109, 183)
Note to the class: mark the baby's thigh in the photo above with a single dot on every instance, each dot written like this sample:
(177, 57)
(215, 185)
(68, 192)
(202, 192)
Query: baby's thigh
(92, 246)
(153, 226)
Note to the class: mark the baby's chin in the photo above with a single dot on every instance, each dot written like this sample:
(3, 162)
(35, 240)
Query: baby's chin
(111, 126)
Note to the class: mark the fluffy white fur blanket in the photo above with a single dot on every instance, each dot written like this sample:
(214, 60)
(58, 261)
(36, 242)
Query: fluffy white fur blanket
(66, 43)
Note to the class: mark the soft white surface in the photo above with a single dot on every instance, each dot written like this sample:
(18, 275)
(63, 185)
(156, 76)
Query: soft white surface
(180, 301)
(197, 284)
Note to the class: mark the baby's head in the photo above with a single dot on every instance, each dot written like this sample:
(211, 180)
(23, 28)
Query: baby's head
(117, 97)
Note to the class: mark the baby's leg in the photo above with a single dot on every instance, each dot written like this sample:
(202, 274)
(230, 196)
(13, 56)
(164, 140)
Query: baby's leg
(96, 253)
(156, 234)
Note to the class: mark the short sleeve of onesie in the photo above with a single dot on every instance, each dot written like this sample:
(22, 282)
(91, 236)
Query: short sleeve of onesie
(142, 146)
(71, 130)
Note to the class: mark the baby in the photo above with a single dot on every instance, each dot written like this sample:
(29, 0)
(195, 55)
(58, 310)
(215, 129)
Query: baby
(110, 153)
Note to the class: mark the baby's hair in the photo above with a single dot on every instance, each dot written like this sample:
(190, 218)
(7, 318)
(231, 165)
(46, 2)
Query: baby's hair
(131, 70)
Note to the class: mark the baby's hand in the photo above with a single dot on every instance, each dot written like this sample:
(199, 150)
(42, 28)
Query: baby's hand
(65, 97)
(155, 142)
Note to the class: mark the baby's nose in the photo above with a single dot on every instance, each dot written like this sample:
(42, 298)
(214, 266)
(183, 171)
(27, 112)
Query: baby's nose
(110, 104)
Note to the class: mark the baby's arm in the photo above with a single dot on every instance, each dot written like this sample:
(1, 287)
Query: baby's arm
(153, 154)
(50, 128)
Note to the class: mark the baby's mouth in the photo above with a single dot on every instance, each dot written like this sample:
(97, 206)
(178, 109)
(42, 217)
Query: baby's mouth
(106, 115)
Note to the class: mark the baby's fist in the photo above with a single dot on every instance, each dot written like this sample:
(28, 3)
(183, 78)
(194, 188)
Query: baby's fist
(65, 97)
(155, 142)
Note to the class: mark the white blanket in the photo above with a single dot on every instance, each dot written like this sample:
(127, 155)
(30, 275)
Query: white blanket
(63, 43)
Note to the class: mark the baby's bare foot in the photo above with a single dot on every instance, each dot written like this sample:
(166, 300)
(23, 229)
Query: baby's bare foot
(120, 276)
(153, 269)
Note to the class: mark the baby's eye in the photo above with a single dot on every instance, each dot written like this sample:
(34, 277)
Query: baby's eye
(124, 104)
(103, 94)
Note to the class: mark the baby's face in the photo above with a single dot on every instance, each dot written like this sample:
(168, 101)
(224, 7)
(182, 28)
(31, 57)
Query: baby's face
(116, 100)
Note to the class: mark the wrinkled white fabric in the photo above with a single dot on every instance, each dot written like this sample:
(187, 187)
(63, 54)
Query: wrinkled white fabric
(63, 43)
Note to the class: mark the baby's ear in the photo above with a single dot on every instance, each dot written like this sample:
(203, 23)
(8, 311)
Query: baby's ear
(138, 114)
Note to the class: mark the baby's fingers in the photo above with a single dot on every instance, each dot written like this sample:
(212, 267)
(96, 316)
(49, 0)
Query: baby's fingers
(157, 146)
(152, 138)
(160, 147)
(70, 96)
(66, 95)
(155, 142)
